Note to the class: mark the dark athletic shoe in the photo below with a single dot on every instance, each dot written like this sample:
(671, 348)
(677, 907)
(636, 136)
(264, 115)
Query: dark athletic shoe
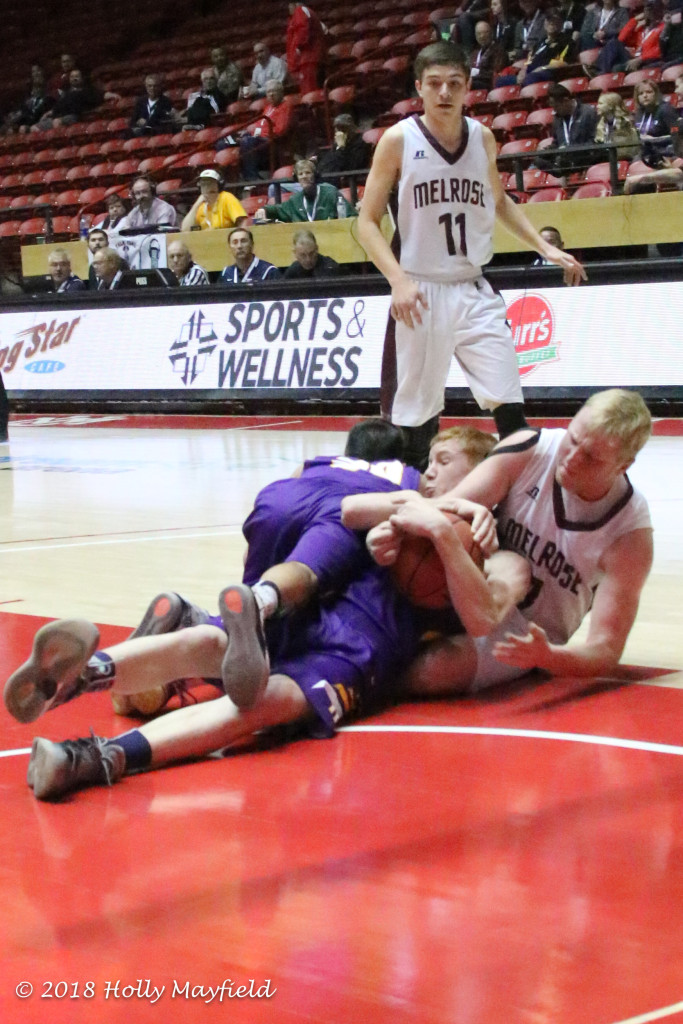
(59, 768)
(53, 673)
(168, 612)
(246, 666)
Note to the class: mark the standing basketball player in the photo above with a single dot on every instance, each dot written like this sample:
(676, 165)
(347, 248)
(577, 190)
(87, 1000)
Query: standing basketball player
(449, 194)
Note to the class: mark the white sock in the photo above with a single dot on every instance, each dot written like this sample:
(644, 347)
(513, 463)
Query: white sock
(267, 598)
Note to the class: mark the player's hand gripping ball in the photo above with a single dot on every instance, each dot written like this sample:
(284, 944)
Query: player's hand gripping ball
(418, 570)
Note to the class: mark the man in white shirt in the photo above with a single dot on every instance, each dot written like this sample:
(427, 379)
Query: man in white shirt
(267, 67)
(149, 211)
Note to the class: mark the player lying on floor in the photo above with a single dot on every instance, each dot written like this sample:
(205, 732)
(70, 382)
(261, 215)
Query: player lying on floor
(329, 661)
(566, 506)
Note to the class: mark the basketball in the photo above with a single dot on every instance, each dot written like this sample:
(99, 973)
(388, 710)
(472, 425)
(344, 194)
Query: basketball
(418, 571)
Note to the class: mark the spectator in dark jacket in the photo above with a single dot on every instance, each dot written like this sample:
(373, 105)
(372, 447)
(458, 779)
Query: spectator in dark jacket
(78, 100)
(349, 152)
(153, 112)
(307, 259)
(205, 103)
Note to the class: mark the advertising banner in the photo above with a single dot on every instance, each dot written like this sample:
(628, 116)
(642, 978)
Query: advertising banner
(610, 335)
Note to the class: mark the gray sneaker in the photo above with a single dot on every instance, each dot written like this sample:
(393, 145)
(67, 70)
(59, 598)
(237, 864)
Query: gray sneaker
(52, 675)
(168, 612)
(246, 665)
(59, 768)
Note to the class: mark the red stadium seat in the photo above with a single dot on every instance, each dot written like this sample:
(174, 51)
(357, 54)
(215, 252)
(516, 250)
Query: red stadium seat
(151, 165)
(89, 153)
(33, 181)
(601, 172)
(45, 199)
(92, 195)
(607, 83)
(671, 74)
(518, 146)
(228, 160)
(577, 85)
(80, 174)
(373, 135)
(589, 58)
(170, 185)
(65, 225)
(32, 227)
(504, 125)
(642, 75)
(548, 195)
(71, 199)
(253, 203)
(535, 93)
(9, 228)
(593, 190)
(503, 95)
(20, 201)
(406, 107)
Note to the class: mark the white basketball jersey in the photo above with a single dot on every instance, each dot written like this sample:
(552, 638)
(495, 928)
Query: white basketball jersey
(445, 204)
(563, 538)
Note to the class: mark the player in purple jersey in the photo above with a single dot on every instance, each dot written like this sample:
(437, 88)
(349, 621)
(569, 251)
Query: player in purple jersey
(331, 660)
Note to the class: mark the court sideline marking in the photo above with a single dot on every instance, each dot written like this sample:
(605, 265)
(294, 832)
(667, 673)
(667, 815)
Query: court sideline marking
(228, 532)
(644, 1018)
(536, 734)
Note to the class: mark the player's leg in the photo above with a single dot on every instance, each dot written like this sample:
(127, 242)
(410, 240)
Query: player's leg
(65, 663)
(486, 354)
(190, 732)
(423, 358)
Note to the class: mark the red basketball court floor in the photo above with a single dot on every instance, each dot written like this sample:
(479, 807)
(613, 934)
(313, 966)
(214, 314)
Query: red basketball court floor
(511, 859)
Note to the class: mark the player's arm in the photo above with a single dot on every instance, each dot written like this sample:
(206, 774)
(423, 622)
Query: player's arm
(478, 605)
(363, 511)
(489, 482)
(406, 298)
(518, 224)
(626, 566)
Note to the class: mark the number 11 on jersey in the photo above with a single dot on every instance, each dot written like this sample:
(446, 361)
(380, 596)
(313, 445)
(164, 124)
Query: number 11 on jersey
(447, 219)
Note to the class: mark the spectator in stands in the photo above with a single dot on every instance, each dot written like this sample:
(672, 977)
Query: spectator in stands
(117, 210)
(74, 103)
(467, 15)
(213, 207)
(556, 49)
(36, 105)
(573, 12)
(153, 112)
(655, 121)
(602, 23)
(503, 26)
(59, 266)
(615, 126)
(268, 68)
(637, 45)
(529, 30)
(551, 235)
(247, 268)
(275, 125)
(574, 124)
(97, 239)
(307, 259)
(148, 210)
(305, 38)
(107, 265)
(349, 151)
(203, 104)
(228, 74)
(180, 261)
(59, 82)
(314, 202)
(486, 58)
(671, 39)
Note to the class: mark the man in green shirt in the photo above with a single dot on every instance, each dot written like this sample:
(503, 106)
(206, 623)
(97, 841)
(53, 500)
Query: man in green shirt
(314, 202)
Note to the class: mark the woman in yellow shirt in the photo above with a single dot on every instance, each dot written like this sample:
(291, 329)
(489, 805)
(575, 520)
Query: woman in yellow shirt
(213, 208)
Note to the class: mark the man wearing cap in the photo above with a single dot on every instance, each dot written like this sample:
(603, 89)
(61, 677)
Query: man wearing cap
(148, 211)
(213, 207)
(183, 266)
(247, 268)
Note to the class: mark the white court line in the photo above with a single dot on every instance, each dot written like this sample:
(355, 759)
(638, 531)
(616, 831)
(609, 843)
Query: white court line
(124, 540)
(666, 1011)
(534, 734)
